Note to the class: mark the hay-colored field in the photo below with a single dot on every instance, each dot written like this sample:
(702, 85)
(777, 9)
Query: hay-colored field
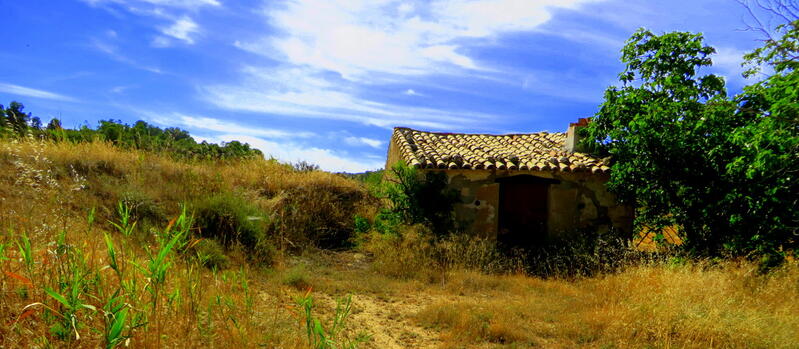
(398, 298)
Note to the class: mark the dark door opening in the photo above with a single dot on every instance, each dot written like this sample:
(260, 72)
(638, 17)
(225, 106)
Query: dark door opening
(523, 211)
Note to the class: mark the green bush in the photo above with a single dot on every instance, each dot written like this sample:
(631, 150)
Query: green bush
(211, 254)
(143, 208)
(230, 219)
(420, 199)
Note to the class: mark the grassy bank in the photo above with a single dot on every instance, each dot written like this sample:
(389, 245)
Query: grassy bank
(102, 247)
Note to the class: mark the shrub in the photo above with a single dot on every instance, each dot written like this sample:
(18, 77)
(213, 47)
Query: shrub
(297, 277)
(585, 253)
(406, 255)
(230, 219)
(317, 214)
(421, 199)
(415, 253)
(211, 254)
(143, 208)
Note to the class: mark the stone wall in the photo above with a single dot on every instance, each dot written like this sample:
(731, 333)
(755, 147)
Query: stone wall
(578, 200)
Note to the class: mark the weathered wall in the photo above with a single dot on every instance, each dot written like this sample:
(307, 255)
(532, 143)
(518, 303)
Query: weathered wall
(579, 200)
(393, 155)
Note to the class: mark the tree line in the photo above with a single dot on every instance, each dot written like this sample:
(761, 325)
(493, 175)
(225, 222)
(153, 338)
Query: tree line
(16, 123)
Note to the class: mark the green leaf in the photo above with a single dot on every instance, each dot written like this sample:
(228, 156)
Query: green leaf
(61, 299)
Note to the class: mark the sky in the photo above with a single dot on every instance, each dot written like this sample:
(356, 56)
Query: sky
(325, 81)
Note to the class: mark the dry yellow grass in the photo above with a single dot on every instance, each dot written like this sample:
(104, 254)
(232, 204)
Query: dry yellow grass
(400, 297)
(726, 306)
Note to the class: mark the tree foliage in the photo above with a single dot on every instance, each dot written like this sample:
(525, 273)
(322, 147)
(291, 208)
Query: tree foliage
(421, 198)
(724, 169)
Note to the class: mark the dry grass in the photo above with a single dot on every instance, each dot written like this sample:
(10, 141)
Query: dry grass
(47, 192)
(724, 306)
(408, 291)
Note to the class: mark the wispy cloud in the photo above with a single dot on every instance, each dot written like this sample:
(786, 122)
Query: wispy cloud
(358, 141)
(357, 37)
(411, 92)
(307, 92)
(105, 46)
(340, 50)
(327, 159)
(183, 29)
(221, 126)
(180, 27)
(728, 60)
(32, 92)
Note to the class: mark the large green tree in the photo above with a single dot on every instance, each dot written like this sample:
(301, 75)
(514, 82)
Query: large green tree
(723, 169)
(765, 169)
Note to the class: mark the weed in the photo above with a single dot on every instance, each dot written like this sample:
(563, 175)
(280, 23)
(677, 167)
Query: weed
(71, 304)
(297, 277)
(332, 336)
(126, 224)
(26, 252)
(210, 254)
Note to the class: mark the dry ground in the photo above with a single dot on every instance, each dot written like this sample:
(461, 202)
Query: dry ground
(699, 306)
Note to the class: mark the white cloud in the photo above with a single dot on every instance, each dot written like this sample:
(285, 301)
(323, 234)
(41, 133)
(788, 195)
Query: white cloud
(32, 92)
(327, 159)
(120, 89)
(357, 141)
(211, 124)
(304, 92)
(357, 37)
(112, 51)
(181, 29)
(728, 60)
(333, 52)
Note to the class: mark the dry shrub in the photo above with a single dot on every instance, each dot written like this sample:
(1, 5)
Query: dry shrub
(585, 253)
(462, 251)
(727, 305)
(317, 214)
(407, 255)
(416, 253)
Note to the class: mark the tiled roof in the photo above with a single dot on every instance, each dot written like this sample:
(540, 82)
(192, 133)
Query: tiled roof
(541, 151)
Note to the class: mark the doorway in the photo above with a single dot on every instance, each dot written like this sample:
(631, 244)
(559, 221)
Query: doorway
(523, 210)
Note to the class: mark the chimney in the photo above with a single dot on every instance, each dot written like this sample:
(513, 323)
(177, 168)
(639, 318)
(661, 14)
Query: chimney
(573, 136)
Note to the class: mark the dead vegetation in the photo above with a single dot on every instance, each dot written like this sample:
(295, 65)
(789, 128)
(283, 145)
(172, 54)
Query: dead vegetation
(69, 274)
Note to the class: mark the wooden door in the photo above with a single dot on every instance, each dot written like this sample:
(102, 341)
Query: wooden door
(522, 212)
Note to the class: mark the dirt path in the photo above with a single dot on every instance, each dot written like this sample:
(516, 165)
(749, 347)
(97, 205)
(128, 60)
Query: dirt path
(386, 318)
(389, 322)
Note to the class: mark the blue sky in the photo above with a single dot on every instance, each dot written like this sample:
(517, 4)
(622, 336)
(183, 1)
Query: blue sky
(325, 81)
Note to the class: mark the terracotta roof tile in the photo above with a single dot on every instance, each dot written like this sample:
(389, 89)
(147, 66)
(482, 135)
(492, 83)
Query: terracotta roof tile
(541, 151)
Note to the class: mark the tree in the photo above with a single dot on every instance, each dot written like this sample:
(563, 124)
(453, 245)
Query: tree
(723, 169)
(54, 125)
(17, 119)
(3, 121)
(766, 168)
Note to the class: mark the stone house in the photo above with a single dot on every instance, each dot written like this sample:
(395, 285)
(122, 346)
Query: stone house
(518, 188)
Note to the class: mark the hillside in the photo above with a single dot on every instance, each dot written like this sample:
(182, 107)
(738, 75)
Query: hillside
(104, 246)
